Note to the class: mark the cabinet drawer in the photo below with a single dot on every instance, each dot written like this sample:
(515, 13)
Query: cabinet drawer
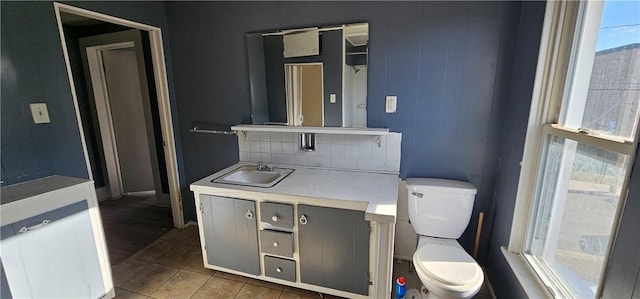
(278, 243)
(280, 268)
(277, 214)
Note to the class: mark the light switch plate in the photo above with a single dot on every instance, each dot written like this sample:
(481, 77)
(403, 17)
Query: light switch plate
(332, 98)
(391, 104)
(40, 113)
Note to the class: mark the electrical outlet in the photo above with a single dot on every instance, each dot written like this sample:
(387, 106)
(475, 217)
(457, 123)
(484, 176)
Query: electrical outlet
(391, 104)
(332, 98)
(40, 113)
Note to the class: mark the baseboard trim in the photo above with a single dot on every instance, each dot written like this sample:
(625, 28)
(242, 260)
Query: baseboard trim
(141, 193)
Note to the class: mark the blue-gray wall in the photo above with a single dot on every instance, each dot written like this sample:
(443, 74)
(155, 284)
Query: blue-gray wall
(33, 70)
(623, 273)
(511, 148)
(449, 63)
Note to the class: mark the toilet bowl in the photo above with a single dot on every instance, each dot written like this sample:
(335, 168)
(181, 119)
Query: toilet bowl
(439, 211)
(446, 270)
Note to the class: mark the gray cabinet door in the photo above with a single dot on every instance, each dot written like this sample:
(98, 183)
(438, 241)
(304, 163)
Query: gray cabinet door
(231, 235)
(334, 248)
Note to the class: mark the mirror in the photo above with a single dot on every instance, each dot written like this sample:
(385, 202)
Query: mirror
(309, 77)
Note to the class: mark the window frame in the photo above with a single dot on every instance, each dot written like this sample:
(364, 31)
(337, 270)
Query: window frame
(562, 55)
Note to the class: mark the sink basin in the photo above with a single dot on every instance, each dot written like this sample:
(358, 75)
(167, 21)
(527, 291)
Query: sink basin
(249, 175)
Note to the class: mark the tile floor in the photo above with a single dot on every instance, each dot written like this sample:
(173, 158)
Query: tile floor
(171, 267)
(131, 223)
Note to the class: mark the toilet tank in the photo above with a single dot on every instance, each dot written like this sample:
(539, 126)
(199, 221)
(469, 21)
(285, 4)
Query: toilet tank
(438, 207)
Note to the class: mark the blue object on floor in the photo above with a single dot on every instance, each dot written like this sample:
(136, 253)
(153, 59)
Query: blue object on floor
(400, 288)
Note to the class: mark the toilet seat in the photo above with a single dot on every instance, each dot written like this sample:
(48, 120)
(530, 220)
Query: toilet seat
(444, 267)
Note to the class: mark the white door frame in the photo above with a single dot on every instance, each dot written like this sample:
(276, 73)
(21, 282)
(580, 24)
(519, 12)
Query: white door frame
(162, 89)
(103, 109)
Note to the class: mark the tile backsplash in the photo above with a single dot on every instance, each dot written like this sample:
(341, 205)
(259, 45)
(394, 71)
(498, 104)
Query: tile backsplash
(337, 151)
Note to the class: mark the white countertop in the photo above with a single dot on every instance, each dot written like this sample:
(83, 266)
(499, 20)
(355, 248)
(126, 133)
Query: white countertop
(374, 193)
(28, 189)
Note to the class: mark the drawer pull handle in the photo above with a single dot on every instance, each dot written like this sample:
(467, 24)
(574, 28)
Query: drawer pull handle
(416, 194)
(249, 214)
(275, 244)
(303, 220)
(25, 229)
(278, 269)
(274, 218)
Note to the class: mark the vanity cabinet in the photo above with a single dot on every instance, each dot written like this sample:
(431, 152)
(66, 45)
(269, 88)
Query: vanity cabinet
(230, 233)
(334, 248)
(333, 243)
(326, 231)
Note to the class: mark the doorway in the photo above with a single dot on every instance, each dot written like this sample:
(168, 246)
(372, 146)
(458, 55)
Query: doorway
(304, 92)
(116, 77)
(127, 130)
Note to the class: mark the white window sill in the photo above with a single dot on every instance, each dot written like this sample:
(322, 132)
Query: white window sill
(528, 280)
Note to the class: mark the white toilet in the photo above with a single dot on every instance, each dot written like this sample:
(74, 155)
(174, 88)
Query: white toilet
(439, 211)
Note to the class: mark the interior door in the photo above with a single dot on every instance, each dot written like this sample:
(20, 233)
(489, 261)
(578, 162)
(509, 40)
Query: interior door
(304, 94)
(127, 114)
(311, 89)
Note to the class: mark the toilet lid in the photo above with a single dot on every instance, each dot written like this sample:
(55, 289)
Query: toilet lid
(449, 264)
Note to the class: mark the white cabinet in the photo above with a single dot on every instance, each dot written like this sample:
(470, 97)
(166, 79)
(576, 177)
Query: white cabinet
(59, 253)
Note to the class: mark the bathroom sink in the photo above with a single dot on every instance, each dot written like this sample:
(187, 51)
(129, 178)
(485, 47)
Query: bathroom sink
(254, 176)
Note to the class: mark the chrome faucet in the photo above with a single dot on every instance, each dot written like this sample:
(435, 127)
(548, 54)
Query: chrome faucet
(264, 167)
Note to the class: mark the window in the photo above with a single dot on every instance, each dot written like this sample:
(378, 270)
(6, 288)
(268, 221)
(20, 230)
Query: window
(581, 137)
